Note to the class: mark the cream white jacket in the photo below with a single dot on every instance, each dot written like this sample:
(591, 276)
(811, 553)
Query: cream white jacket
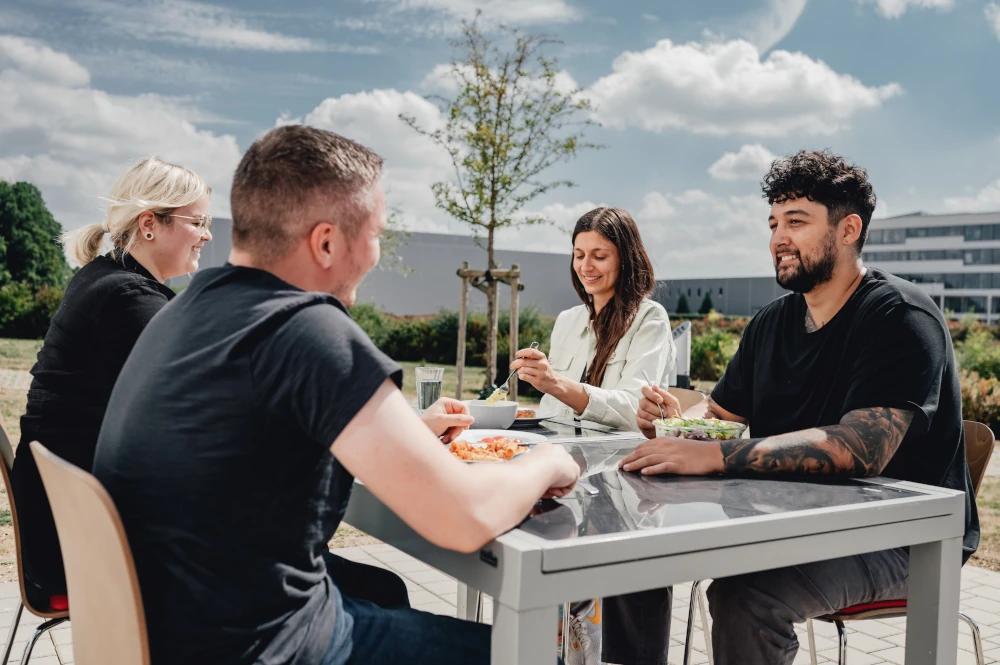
(647, 345)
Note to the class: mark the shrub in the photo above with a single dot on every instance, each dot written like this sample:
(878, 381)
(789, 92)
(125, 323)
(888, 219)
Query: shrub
(710, 353)
(706, 303)
(980, 398)
(25, 312)
(682, 305)
(979, 352)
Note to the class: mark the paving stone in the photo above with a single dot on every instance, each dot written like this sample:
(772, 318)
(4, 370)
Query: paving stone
(981, 603)
(425, 576)
(442, 587)
(395, 557)
(422, 597)
(854, 657)
(875, 628)
(65, 652)
(411, 566)
(450, 598)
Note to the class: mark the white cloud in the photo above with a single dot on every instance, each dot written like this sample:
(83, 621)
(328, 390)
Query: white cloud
(412, 162)
(73, 141)
(700, 234)
(774, 23)
(41, 62)
(725, 88)
(992, 12)
(986, 200)
(523, 12)
(896, 8)
(203, 25)
(750, 163)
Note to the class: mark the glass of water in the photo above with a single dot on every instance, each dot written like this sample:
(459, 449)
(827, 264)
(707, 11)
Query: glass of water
(429, 380)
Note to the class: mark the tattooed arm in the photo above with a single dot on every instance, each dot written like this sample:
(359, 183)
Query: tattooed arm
(859, 446)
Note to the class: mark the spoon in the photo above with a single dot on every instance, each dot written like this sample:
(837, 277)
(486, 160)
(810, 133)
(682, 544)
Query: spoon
(505, 388)
(646, 376)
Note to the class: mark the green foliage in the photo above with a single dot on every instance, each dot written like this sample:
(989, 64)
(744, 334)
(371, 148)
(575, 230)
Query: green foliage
(979, 352)
(25, 312)
(710, 353)
(682, 305)
(29, 239)
(707, 306)
(980, 398)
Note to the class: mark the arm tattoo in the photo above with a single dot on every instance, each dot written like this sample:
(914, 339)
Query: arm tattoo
(811, 326)
(859, 446)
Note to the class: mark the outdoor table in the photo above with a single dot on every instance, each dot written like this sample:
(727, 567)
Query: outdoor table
(644, 532)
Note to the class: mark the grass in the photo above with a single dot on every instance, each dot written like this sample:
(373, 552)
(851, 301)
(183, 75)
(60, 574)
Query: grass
(18, 353)
(988, 502)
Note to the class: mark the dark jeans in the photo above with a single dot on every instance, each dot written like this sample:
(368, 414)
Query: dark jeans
(753, 615)
(386, 631)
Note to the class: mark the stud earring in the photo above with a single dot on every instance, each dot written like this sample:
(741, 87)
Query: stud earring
(149, 235)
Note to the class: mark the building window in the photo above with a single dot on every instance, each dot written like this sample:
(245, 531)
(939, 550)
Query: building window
(689, 291)
(976, 304)
(892, 236)
(699, 290)
(875, 236)
(720, 290)
(953, 303)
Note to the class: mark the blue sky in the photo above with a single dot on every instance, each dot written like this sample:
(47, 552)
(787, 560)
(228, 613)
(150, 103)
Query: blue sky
(693, 96)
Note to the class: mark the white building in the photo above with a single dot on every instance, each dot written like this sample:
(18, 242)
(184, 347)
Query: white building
(954, 258)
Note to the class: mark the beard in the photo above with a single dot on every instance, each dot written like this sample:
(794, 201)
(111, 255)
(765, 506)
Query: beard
(810, 274)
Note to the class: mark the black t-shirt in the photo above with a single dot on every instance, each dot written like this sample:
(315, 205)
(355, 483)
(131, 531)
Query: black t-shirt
(888, 346)
(216, 451)
(106, 305)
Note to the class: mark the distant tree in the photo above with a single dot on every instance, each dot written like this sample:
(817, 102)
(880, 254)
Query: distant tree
(706, 303)
(682, 305)
(511, 119)
(393, 237)
(30, 251)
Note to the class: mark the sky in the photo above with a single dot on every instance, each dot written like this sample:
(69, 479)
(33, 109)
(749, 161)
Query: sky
(693, 99)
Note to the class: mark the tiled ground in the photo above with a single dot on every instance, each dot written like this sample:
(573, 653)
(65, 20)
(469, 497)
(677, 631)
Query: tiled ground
(870, 642)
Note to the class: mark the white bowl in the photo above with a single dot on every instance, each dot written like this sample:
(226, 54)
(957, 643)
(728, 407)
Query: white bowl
(499, 415)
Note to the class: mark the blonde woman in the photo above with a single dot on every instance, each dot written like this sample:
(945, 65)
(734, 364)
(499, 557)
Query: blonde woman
(157, 222)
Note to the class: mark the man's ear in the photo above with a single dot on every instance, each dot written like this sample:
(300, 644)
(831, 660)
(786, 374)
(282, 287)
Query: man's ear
(851, 228)
(324, 241)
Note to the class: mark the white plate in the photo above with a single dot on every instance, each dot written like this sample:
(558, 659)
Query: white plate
(539, 417)
(477, 435)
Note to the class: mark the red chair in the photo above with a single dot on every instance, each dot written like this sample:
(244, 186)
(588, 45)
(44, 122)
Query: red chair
(58, 610)
(978, 450)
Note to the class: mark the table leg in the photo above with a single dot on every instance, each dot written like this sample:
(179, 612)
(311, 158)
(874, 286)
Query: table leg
(467, 602)
(524, 638)
(932, 609)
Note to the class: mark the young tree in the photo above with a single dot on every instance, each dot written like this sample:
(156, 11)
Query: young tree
(682, 305)
(29, 239)
(393, 237)
(706, 303)
(513, 117)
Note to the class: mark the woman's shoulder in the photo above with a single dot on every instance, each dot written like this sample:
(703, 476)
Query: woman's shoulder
(106, 279)
(650, 310)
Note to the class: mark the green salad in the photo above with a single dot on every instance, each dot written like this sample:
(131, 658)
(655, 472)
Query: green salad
(702, 429)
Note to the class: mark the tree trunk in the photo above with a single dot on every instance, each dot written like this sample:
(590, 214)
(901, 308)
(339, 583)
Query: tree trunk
(491, 316)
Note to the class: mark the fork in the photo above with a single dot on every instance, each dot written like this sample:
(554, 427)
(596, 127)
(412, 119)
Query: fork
(646, 376)
(505, 388)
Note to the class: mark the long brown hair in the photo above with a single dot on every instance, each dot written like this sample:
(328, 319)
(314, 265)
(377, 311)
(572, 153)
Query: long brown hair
(634, 284)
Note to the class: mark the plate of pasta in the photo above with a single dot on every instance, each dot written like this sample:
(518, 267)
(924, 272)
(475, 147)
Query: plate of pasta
(492, 445)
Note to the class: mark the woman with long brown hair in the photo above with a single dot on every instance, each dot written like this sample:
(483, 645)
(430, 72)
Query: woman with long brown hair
(601, 348)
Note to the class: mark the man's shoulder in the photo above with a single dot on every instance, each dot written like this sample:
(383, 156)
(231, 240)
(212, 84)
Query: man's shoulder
(886, 292)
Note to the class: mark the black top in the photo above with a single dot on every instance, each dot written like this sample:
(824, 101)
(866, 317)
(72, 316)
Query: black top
(888, 346)
(216, 450)
(107, 304)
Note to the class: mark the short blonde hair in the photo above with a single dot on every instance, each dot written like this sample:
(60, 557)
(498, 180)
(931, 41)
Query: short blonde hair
(152, 185)
(287, 171)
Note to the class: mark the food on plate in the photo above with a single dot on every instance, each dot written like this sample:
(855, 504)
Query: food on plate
(492, 449)
(498, 395)
(701, 429)
(525, 413)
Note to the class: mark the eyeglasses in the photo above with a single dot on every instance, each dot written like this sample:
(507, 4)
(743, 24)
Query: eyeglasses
(202, 222)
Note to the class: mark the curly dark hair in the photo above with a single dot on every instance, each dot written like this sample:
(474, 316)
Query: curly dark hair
(826, 178)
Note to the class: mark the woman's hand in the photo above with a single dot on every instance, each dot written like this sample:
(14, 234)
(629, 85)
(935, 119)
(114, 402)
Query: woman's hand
(648, 411)
(533, 367)
(447, 418)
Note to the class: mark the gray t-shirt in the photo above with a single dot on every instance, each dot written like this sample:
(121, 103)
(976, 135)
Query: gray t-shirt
(216, 451)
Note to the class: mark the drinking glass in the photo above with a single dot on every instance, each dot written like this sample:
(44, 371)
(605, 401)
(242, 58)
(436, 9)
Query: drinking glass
(429, 380)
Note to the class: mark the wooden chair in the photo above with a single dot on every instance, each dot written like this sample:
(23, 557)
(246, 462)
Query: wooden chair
(52, 617)
(109, 623)
(978, 450)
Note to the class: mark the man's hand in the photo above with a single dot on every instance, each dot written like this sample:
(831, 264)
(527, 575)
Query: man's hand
(648, 411)
(447, 418)
(564, 468)
(671, 455)
(533, 367)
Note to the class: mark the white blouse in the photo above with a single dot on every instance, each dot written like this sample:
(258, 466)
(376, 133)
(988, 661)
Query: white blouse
(647, 345)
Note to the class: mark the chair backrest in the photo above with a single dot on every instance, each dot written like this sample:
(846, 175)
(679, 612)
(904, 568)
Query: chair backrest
(109, 623)
(687, 398)
(7, 452)
(978, 450)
